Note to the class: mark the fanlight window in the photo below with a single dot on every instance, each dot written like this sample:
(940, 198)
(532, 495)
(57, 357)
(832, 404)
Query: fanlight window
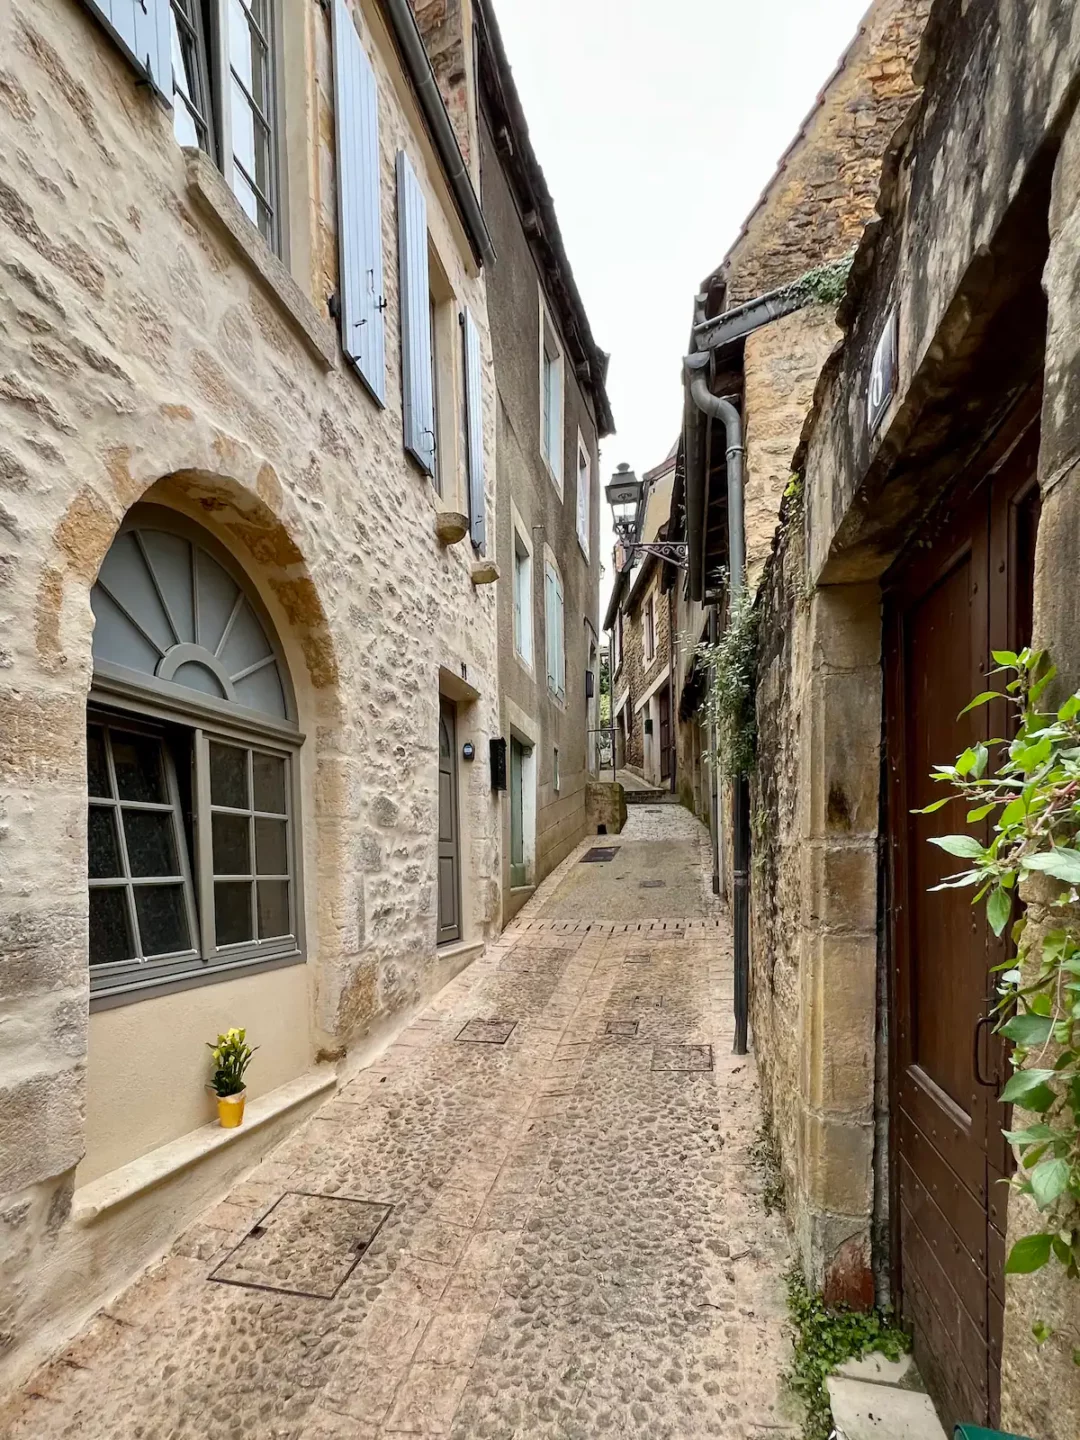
(191, 755)
(164, 608)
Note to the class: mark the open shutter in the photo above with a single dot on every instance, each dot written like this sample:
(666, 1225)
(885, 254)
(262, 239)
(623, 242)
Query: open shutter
(550, 632)
(560, 637)
(360, 282)
(142, 29)
(474, 413)
(419, 404)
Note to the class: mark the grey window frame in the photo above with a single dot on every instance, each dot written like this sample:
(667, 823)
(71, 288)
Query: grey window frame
(215, 66)
(112, 972)
(128, 699)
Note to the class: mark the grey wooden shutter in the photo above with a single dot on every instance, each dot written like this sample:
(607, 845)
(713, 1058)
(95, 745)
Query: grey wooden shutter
(474, 412)
(550, 642)
(142, 29)
(418, 402)
(360, 282)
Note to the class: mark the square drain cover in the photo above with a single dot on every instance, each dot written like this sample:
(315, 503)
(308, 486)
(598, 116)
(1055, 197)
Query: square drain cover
(638, 957)
(304, 1245)
(682, 1057)
(599, 855)
(487, 1032)
(627, 1028)
(652, 884)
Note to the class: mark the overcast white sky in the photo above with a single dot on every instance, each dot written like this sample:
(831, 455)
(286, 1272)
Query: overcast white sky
(658, 124)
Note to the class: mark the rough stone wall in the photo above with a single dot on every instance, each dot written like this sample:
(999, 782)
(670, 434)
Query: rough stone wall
(144, 349)
(781, 365)
(549, 520)
(962, 239)
(775, 878)
(447, 30)
(826, 187)
(1040, 1385)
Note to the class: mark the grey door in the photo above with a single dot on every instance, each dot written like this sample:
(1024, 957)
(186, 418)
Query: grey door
(517, 827)
(449, 857)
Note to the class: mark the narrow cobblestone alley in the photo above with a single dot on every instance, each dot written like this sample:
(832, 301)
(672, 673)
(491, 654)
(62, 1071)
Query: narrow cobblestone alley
(553, 1170)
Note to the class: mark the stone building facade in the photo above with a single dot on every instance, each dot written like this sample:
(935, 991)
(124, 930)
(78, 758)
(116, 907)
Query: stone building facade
(552, 411)
(639, 620)
(932, 520)
(216, 532)
(768, 333)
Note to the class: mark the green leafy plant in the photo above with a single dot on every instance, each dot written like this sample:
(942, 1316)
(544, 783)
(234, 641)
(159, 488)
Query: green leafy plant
(231, 1055)
(1032, 800)
(823, 1340)
(823, 285)
(729, 700)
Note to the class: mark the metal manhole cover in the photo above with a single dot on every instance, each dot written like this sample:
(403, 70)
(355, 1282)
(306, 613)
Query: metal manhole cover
(682, 1057)
(626, 1028)
(638, 957)
(599, 855)
(304, 1245)
(652, 884)
(487, 1032)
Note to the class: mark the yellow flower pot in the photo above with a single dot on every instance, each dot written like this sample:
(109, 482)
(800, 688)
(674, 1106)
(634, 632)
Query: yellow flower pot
(230, 1109)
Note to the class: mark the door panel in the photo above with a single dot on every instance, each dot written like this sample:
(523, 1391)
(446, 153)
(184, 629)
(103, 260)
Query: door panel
(964, 591)
(449, 922)
(517, 815)
(665, 734)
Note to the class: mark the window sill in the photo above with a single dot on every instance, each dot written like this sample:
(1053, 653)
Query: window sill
(120, 1186)
(463, 950)
(149, 988)
(212, 196)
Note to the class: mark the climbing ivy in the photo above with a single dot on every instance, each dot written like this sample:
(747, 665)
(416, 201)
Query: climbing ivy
(824, 285)
(824, 1339)
(1032, 799)
(729, 701)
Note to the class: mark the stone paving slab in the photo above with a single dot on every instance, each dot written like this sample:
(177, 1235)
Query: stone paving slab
(571, 1242)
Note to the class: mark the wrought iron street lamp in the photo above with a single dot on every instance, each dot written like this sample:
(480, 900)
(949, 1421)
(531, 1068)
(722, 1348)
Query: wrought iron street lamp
(624, 492)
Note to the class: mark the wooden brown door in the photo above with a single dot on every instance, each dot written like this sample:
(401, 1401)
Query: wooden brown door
(449, 849)
(965, 591)
(665, 734)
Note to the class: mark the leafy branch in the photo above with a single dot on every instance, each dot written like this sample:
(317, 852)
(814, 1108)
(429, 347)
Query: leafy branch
(1032, 800)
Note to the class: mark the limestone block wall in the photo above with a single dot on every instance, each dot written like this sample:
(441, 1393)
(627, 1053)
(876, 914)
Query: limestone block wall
(826, 187)
(781, 365)
(151, 347)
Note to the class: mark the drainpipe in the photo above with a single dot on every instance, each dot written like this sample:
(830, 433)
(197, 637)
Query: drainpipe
(715, 407)
(715, 815)
(673, 719)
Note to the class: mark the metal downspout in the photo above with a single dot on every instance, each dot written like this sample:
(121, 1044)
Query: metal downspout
(716, 407)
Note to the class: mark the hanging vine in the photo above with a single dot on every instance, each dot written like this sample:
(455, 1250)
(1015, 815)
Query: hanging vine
(1032, 799)
(729, 700)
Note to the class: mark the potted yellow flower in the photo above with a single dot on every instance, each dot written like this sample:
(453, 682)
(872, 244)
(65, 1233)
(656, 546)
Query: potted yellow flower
(232, 1055)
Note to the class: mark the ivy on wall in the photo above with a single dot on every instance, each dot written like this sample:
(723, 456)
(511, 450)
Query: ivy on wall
(729, 699)
(1032, 799)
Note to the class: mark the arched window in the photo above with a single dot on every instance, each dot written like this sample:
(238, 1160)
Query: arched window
(191, 758)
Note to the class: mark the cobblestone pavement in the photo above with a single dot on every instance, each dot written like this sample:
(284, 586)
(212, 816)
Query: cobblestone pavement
(537, 1216)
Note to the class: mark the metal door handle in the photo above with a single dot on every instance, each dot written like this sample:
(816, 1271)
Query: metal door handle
(990, 1084)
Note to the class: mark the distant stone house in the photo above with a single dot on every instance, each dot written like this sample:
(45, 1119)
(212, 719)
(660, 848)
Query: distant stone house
(639, 623)
(247, 473)
(552, 410)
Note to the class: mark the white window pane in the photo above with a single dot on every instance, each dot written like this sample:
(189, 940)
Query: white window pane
(241, 43)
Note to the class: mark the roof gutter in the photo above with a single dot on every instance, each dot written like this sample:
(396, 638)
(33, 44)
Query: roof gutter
(418, 66)
(736, 324)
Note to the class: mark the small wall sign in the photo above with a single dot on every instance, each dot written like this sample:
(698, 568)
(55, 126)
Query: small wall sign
(882, 387)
